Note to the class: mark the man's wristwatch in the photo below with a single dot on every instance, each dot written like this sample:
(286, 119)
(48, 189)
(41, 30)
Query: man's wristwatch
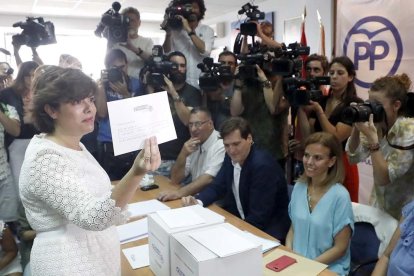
(139, 52)
(191, 33)
(266, 84)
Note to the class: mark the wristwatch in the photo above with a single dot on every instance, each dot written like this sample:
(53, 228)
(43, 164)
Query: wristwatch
(177, 98)
(139, 52)
(266, 84)
(374, 147)
(191, 33)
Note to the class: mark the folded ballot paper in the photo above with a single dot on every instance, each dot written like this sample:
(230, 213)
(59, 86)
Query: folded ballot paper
(133, 231)
(146, 207)
(139, 229)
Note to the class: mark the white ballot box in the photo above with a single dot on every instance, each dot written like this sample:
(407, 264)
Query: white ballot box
(219, 250)
(164, 223)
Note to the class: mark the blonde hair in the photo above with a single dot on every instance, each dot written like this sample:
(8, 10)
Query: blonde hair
(336, 173)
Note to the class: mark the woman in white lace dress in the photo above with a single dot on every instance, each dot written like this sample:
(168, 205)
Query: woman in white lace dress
(67, 195)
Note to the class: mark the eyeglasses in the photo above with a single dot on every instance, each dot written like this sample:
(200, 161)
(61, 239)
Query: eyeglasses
(197, 124)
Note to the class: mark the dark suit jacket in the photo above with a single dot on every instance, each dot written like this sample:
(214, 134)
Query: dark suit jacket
(262, 190)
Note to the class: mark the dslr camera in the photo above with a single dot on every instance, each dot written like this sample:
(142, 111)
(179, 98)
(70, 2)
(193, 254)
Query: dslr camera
(300, 92)
(213, 74)
(113, 75)
(174, 9)
(362, 111)
(35, 32)
(286, 62)
(253, 14)
(157, 67)
(113, 25)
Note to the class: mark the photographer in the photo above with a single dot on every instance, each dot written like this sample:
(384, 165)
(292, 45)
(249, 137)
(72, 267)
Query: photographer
(182, 98)
(117, 89)
(194, 40)
(265, 33)
(390, 143)
(269, 125)
(6, 75)
(325, 115)
(218, 101)
(137, 48)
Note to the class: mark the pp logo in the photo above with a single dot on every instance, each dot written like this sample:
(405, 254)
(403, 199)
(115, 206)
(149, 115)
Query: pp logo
(370, 40)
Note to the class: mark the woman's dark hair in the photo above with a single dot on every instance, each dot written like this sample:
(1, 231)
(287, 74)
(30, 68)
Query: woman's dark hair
(53, 85)
(112, 55)
(25, 68)
(350, 91)
(396, 88)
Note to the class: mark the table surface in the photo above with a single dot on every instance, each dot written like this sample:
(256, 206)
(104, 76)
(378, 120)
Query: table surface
(165, 184)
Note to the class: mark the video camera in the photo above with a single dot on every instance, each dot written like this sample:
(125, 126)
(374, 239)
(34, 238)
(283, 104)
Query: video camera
(35, 32)
(113, 25)
(157, 67)
(213, 74)
(286, 62)
(253, 14)
(300, 92)
(175, 8)
(361, 112)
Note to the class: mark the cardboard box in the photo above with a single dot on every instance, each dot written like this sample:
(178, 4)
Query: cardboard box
(159, 236)
(212, 255)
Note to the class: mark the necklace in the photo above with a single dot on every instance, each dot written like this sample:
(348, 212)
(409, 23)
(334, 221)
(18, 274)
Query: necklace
(310, 198)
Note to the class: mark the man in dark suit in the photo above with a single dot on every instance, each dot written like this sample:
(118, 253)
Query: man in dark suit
(250, 182)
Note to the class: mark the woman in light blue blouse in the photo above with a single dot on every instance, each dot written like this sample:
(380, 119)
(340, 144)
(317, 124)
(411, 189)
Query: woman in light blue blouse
(398, 258)
(320, 207)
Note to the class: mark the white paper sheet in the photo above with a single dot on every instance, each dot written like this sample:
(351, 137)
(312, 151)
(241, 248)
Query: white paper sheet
(222, 241)
(180, 217)
(146, 207)
(266, 244)
(134, 119)
(137, 256)
(132, 230)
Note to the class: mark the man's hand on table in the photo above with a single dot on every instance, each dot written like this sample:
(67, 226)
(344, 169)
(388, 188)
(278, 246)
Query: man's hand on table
(169, 195)
(189, 200)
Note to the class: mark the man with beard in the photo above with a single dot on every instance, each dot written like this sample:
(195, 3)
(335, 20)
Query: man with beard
(182, 97)
(193, 39)
(115, 166)
(138, 48)
(201, 157)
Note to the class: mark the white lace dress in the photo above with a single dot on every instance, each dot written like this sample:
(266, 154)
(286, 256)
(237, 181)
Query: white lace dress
(66, 195)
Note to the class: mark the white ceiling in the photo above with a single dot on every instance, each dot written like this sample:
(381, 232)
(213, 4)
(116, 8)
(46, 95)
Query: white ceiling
(151, 10)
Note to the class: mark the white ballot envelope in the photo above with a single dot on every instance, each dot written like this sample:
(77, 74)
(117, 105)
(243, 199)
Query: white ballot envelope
(137, 118)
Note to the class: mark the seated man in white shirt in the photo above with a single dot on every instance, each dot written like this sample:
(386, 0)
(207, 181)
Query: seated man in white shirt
(201, 156)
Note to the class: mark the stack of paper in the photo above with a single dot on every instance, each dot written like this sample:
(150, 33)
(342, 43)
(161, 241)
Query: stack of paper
(181, 217)
(222, 241)
(266, 244)
(133, 231)
(146, 207)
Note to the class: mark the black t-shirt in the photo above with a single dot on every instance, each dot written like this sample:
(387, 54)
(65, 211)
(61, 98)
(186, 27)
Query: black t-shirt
(10, 97)
(336, 115)
(191, 97)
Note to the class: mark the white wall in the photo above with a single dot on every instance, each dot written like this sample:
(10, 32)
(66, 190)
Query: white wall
(283, 9)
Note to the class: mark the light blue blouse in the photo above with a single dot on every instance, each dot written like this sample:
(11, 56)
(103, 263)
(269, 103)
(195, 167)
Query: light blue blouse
(402, 257)
(314, 232)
